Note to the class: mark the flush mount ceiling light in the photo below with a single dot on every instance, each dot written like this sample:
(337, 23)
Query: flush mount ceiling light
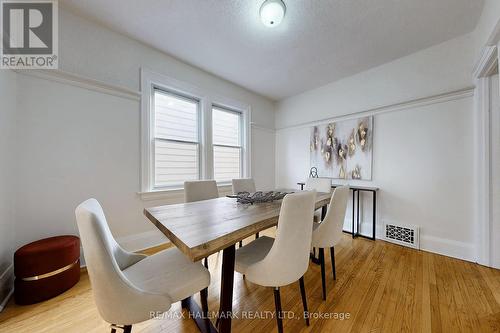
(272, 12)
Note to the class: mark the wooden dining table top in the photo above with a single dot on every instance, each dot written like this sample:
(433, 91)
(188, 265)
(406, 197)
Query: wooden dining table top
(201, 228)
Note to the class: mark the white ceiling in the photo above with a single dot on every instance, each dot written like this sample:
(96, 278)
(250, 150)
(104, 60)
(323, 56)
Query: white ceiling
(318, 42)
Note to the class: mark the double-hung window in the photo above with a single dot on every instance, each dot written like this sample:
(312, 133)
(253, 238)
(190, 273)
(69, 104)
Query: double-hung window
(190, 134)
(227, 148)
(176, 139)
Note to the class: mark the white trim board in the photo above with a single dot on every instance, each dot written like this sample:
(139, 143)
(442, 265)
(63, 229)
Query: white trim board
(415, 103)
(482, 162)
(61, 76)
(175, 195)
(262, 128)
(447, 247)
(443, 246)
(6, 285)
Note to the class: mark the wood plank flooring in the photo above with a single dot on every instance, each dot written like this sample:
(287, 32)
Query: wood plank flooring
(380, 287)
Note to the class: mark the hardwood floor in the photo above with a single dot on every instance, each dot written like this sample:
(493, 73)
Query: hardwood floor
(380, 287)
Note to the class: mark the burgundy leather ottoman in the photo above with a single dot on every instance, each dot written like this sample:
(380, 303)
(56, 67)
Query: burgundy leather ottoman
(46, 268)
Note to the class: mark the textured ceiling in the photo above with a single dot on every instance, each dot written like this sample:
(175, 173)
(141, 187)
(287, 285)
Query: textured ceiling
(318, 42)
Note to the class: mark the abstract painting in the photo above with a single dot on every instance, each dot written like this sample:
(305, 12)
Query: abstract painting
(343, 149)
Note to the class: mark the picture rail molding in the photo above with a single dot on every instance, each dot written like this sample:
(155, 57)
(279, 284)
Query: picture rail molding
(419, 102)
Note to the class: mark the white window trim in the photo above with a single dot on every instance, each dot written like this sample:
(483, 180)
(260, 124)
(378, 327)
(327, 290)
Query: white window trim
(149, 80)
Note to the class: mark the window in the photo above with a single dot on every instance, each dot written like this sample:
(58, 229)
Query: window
(226, 130)
(176, 139)
(189, 134)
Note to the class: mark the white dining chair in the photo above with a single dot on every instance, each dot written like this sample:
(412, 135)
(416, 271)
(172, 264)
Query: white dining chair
(319, 185)
(328, 233)
(199, 190)
(278, 262)
(128, 287)
(244, 185)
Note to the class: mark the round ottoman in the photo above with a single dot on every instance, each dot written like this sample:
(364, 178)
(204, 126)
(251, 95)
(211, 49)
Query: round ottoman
(46, 268)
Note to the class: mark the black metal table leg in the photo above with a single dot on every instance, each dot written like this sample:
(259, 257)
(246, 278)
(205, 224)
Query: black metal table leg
(357, 215)
(198, 315)
(226, 292)
(353, 206)
(323, 212)
(374, 214)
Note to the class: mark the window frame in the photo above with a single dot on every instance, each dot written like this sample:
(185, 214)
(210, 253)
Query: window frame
(207, 100)
(156, 88)
(241, 138)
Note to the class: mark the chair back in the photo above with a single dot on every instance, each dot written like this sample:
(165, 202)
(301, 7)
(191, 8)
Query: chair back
(243, 185)
(319, 184)
(288, 258)
(117, 299)
(200, 190)
(329, 232)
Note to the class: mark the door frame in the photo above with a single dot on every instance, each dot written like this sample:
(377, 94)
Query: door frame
(483, 71)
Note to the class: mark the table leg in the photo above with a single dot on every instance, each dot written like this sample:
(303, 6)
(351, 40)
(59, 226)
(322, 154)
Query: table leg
(357, 216)
(198, 315)
(353, 211)
(323, 212)
(226, 291)
(374, 213)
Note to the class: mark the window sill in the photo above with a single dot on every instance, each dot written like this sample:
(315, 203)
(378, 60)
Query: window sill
(174, 193)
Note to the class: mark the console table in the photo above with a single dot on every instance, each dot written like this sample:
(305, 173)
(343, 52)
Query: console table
(355, 208)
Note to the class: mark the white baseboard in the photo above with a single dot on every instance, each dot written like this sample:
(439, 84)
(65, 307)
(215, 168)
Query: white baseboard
(6, 285)
(443, 246)
(142, 241)
(448, 247)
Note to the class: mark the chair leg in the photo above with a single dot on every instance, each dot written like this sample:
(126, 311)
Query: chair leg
(277, 303)
(241, 243)
(322, 263)
(304, 299)
(256, 235)
(332, 255)
(126, 328)
(206, 262)
(204, 307)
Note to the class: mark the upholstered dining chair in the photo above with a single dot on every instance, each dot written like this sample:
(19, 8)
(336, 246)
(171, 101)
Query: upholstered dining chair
(328, 233)
(244, 185)
(319, 185)
(278, 262)
(198, 190)
(128, 287)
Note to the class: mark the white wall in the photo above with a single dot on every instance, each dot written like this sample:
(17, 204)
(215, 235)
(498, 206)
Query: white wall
(7, 193)
(75, 143)
(422, 151)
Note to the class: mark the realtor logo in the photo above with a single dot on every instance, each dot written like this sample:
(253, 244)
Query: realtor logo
(29, 34)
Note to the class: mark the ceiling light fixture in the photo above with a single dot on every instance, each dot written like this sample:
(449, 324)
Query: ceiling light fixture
(272, 12)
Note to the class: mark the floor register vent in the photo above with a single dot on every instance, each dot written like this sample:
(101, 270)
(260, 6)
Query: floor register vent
(402, 234)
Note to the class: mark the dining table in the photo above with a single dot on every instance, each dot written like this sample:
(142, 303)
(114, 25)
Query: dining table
(199, 229)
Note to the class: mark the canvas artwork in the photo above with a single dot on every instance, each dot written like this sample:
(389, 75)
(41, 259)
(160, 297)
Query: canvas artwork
(343, 149)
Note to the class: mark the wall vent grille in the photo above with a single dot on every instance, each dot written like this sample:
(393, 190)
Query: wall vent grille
(402, 234)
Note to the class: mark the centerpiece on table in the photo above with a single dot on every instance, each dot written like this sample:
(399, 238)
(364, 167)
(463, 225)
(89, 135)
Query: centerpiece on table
(258, 197)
